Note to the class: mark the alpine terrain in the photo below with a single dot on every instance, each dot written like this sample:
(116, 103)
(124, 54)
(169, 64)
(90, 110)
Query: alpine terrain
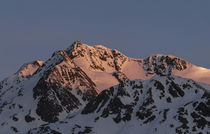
(96, 90)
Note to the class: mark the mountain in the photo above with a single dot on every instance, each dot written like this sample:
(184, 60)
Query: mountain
(166, 104)
(73, 85)
(163, 104)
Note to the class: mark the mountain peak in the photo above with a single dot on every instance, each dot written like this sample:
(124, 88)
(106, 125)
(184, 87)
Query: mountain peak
(100, 59)
(75, 45)
(78, 44)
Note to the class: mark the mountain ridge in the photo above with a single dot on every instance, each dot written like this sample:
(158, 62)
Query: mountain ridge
(75, 50)
(49, 92)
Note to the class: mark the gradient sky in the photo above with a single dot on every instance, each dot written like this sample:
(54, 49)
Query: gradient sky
(34, 29)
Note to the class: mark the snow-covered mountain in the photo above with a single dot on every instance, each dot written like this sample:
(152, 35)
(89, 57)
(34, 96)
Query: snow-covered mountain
(71, 90)
(160, 105)
(163, 104)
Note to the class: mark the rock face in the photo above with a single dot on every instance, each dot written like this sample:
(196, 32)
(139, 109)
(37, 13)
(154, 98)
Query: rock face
(73, 87)
(65, 87)
(164, 64)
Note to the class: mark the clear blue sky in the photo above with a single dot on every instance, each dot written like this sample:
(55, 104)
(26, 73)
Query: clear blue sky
(34, 29)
